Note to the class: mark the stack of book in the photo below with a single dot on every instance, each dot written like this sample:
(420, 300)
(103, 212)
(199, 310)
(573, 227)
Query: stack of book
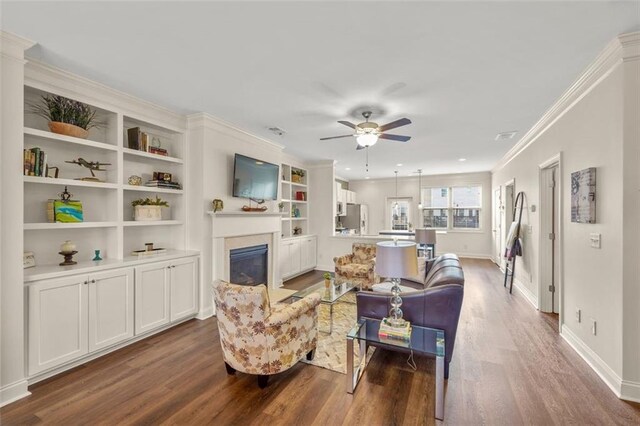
(141, 141)
(163, 184)
(396, 335)
(35, 162)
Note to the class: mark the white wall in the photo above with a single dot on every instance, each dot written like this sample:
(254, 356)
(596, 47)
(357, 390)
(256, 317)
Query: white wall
(212, 146)
(589, 132)
(374, 193)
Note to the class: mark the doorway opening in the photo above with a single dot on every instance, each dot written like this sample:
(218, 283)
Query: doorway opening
(507, 215)
(550, 282)
(497, 225)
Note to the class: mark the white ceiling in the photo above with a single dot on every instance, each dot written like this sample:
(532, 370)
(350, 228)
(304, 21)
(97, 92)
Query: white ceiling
(461, 71)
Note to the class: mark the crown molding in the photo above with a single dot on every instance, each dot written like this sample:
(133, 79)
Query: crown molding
(625, 47)
(208, 121)
(13, 46)
(49, 78)
(320, 164)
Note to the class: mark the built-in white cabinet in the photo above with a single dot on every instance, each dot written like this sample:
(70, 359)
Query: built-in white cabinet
(77, 315)
(58, 321)
(351, 197)
(184, 292)
(110, 308)
(70, 317)
(297, 255)
(153, 301)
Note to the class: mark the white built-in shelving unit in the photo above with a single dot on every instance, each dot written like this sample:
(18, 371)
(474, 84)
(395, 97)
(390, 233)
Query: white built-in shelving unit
(294, 194)
(108, 215)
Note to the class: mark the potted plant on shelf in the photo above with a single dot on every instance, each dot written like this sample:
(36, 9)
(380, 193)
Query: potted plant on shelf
(327, 279)
(281, 206)
(148, 208)
(66, 116)
(297, 175)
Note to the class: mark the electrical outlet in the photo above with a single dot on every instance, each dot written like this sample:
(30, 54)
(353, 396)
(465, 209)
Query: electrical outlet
(595, 240)
(593, 326)
(578, 315)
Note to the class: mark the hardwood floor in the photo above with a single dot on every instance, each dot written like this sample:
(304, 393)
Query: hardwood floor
(510, 366)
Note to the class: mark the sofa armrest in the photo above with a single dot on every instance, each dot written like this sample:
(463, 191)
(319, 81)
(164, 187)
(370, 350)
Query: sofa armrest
(343, 260)
(294, 310)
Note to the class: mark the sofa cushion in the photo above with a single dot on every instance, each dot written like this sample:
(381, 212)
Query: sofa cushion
(444, 276)
(439, 265)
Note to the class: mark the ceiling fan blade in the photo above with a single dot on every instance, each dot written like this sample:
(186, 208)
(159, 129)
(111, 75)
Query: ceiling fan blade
(359, 147)
(348, 124)
(394, 137)
(336, 137)
(394, 124)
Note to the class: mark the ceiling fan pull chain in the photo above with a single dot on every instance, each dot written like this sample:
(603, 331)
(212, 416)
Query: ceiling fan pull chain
(367, 149)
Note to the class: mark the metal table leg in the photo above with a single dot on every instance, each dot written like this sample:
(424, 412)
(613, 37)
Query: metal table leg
(440, 387)
(350, 377)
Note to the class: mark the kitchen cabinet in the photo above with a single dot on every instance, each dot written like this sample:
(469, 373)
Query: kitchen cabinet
(351, 197)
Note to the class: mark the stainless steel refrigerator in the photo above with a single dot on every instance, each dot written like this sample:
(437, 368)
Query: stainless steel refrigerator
(357, 218)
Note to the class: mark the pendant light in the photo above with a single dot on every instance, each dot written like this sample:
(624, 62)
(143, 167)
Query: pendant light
(420, 189)
(395, 206)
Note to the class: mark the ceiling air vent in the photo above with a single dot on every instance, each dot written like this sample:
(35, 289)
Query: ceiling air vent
(276, 131)
(505, 136)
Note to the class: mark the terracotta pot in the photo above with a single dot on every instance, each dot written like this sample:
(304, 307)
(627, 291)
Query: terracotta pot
(327, 283)
(68, 129)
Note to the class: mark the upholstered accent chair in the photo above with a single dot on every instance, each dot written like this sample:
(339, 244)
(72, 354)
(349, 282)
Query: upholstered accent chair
(357, 267)
(260, 339)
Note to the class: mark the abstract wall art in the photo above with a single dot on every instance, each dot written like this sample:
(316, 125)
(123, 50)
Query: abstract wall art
(583, 196)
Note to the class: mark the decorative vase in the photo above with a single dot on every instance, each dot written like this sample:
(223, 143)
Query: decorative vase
(327, 283)
(147, 213)
(68, 129)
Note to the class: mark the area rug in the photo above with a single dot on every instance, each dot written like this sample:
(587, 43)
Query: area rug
(331, 352)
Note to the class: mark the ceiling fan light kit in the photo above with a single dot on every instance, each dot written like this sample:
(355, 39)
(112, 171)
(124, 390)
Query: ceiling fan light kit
(367, 139)
(367, 133)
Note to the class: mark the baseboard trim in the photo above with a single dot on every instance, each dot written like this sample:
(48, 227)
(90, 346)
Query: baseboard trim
(205, 313)
(13, 392)
(473, 256)
(326, 268)
(608, 376)
(630, 391)
(531, 298)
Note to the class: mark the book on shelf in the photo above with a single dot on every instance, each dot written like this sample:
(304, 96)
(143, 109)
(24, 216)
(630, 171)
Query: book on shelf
(141, 141)
(163, 184)
(35, 162)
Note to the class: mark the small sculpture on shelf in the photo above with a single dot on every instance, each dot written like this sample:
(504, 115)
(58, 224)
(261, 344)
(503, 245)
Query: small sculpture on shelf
(297, 231)
(218, 205)
(68, 249)
(134, 180)
(97, 255)
(93, 166)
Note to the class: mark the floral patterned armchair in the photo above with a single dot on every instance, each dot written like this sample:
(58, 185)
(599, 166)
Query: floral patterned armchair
(260, 339)
(358, 267)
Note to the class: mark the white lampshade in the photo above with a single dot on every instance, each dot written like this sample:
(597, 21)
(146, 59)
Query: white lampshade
(425, 236)
(367, 139)
(396, 259)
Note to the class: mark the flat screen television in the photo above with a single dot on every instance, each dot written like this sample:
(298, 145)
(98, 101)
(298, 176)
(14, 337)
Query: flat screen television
(255, 179)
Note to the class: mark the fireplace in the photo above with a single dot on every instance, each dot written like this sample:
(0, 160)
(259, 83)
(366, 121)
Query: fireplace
(249, 265)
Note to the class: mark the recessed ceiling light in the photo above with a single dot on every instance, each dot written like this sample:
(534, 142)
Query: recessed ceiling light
(399, 164)
(462, 159)
(347, 168)
(504, 136)
(367, 177)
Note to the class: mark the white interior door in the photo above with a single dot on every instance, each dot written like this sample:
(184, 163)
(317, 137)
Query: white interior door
(110, 308)
(497, 225)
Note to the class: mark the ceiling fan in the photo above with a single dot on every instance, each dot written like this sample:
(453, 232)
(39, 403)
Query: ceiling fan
(368, 132)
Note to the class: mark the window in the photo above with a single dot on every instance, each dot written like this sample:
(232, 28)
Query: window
(456, 207)
(399, 213)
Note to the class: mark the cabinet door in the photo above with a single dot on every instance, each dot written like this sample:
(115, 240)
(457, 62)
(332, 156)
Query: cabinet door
(57, 322)
(184, 288)
(312, 260)
(353, 197)
(152, 297)
(308, 254)
(295, 257)
(110, 308)
(285, 259)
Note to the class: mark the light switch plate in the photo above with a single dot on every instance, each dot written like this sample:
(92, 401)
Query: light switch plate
(595, 240)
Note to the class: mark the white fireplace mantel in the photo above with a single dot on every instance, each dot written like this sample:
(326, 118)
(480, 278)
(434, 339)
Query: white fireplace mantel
(226, 225)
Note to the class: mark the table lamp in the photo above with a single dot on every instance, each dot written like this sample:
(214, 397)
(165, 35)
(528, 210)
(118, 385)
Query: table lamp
(396, 260)
(427, 237)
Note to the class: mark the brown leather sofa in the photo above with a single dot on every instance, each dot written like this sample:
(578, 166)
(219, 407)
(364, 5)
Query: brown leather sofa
(436, 303)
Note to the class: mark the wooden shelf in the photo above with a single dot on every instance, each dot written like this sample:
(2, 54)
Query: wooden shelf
(143, 188)
(151, 222)
(150, 156)
(298, 218)
(43, 134)
(68, 182)
(298, 202)
(301, 185)
(39, 226)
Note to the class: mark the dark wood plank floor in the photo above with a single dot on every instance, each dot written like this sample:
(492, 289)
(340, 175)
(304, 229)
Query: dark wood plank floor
(509, 367)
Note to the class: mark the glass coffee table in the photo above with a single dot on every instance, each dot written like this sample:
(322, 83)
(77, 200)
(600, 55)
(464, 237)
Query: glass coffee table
(329, 296)
(424, 341)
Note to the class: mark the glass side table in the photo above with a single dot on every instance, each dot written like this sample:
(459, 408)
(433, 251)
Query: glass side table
(424, 341)
(328, 296)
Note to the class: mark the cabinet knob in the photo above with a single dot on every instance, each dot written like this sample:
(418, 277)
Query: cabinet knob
(86, 282)
(93, 281)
